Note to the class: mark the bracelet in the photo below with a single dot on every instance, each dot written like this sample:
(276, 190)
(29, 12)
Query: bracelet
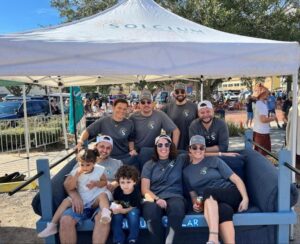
(156, 199)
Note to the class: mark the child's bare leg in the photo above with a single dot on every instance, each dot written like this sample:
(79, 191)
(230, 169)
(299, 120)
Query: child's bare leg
(103, 203)
(51, 228)
(65, 204)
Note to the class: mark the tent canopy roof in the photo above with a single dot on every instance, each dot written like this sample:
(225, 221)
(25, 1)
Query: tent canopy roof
(134, 40)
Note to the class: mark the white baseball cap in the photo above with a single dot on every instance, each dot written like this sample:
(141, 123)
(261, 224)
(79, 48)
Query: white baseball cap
(205, 104)
(105, 138)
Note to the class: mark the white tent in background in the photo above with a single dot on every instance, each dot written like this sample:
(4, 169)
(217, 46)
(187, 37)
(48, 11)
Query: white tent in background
(139, 40)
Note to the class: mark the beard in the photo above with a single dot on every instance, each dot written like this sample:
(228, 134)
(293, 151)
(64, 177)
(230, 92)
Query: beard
(206, 121)
(180, 98)
(103, 156)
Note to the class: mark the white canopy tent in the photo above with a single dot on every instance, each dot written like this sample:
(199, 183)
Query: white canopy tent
(139, 40)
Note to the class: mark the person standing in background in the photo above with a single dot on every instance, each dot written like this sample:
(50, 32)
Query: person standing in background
(261, 127)
(249, 109)
(182, 112)
(272, 106)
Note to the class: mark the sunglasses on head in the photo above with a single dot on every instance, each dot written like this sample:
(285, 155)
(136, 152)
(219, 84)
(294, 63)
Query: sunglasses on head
(177, 92)
(160, 145)
(195, 147)
(145, 102)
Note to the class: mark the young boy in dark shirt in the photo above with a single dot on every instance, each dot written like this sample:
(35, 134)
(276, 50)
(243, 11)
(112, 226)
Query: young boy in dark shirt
(127, 201)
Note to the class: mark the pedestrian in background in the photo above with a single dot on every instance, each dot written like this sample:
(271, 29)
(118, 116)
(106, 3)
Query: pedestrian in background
(261, 127)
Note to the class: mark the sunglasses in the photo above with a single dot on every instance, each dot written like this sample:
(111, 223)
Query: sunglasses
(160, 145)
(194, 148)
(146, 102)
(177, 92)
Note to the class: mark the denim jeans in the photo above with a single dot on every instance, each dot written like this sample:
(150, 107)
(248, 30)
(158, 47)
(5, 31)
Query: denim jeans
(133, 219)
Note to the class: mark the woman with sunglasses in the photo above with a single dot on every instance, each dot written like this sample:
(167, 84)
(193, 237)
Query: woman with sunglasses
(222, 191)
(162, 190)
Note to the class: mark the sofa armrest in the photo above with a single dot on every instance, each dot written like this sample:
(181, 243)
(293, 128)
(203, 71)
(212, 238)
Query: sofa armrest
(58, 191)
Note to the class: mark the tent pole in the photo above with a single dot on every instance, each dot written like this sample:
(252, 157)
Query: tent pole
(63, 118)
(26, 129)
(74, 113)
(294, 117)
(201, 97)
(294, 136)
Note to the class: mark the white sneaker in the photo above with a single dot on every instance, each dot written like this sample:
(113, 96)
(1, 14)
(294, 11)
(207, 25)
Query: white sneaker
(51, 229)
(105, 216)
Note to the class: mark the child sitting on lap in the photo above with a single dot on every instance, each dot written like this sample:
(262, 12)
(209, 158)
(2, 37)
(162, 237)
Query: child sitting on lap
(90, 182)
(127, 201)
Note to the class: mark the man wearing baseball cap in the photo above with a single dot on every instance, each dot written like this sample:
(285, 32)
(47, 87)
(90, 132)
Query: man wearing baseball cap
(67, 233)
(182, 112)
(214, 130)
(148, 123)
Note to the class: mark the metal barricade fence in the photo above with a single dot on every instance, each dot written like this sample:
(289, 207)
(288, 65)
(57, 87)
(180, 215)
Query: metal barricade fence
(43, 130)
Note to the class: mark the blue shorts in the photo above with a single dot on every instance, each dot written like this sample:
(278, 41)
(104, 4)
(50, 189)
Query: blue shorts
(249, 115)
(79, 218)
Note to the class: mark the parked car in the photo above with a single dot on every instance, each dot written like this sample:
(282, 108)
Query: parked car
(244, 95)
(15, 109)
(231, 96)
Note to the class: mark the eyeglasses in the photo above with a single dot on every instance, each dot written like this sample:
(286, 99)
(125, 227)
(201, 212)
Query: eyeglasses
(146, 102)
(194, 148)
(160, 145)
(177, 92)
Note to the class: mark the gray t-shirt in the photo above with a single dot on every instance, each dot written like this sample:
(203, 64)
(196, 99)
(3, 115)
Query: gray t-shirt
(210, 172)
(121, 132)
(111, 166)
(148, 128)
(182, 116)
(217, 134)
(165, 176)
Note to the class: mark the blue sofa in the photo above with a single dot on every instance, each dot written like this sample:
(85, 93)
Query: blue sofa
(266, 221)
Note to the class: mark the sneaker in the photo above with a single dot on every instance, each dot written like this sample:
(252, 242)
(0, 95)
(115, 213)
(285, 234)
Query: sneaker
(131, 241)
(105, 216)
(51, 229)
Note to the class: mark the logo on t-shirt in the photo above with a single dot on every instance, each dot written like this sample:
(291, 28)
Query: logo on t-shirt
(186, 113)
(203, 171)
(151, 125)
(123, 131)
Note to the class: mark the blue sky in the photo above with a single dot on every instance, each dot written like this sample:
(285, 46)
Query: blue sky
(24, 15)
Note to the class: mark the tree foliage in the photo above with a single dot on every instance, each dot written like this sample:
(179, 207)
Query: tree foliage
(270, 19)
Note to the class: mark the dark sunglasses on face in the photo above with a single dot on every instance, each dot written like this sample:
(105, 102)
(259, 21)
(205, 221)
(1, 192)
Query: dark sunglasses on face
(146, 102)
(160, 145)
(177, 92)
(194, 148)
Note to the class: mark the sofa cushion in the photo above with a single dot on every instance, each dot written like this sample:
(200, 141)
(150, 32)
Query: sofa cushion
(237, 164)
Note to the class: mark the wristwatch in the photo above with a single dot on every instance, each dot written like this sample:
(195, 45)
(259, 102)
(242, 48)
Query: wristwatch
(156, 199)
